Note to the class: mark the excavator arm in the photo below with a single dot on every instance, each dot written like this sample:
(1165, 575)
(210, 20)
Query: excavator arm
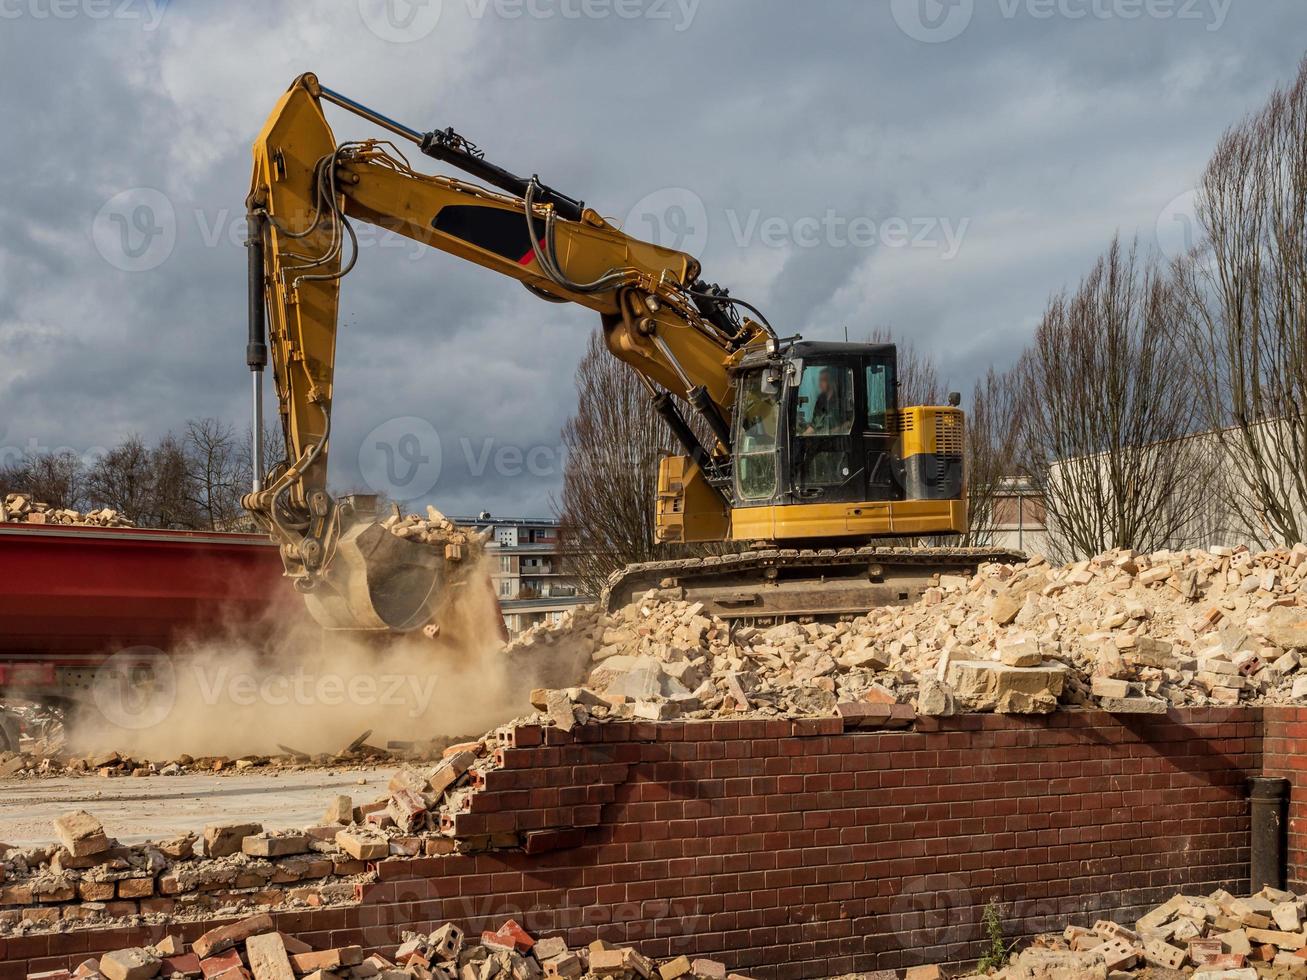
(681, 336)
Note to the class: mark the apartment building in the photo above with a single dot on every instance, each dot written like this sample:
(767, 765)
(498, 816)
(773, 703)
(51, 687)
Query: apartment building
(527, 569)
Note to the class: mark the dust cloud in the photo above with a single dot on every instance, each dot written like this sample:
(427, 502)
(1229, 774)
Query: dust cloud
(288, 683)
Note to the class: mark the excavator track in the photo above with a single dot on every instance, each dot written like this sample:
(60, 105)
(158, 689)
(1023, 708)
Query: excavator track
(778, 584)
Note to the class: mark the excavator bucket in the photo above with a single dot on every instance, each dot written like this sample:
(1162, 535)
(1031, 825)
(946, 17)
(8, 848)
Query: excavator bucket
(376, 581)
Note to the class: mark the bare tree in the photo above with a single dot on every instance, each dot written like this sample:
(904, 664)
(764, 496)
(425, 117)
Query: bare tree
(217, 478)
(610, 479)
(57, 478)
(918, 375)
(1110, 402)
(122, 479)
(992, 446)
(1246, 284)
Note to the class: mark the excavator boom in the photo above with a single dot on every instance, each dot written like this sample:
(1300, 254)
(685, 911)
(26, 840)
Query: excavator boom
(806, 442)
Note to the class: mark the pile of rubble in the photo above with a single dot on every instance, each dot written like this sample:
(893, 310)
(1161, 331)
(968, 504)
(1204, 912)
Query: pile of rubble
(1124, 631)
(22, 509)
(254, 948)
(1218, 937)
(87, 875)
(438, 531)
(41, 759)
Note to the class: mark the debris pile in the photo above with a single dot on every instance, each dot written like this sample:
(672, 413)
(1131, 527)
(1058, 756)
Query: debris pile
(254, 947)
(20, 508)
(1124, 631)
(1218, 937)
(87, 875)
(45, 756)
(438, 531)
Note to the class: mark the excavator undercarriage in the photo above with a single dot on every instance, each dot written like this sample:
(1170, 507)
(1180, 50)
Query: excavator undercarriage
(772, 585)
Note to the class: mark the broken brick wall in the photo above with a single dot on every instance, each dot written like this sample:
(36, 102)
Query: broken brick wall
(796, 849)
(1285, 754)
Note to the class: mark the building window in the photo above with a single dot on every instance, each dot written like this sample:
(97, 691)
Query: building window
(505, 563)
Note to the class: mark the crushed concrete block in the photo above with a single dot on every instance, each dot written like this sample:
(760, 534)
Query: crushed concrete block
(987, 686)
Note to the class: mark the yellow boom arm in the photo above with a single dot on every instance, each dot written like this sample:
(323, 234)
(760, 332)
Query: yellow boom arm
(681, 336)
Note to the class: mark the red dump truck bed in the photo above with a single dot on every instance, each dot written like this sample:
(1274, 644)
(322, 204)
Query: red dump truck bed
(70, 596)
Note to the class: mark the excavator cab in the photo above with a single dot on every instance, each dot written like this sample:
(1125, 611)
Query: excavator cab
(821, 449)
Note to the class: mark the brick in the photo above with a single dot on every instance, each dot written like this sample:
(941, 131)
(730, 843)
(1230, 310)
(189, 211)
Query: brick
(220, 963)
(225, 937)
(549, 947)
(136, 888)
(223, 840)
(930, 972)
(268, 957)
(134, 963)
(1277, 938)
(186, 964)
(272, 846)
(710, 969)
(339, 811)
(1116, 953)
(446, 942)
(675, 969)
(450, 771)
(81, 834)
(565, 965)
(362, 845)
(1160, 953)
(327, 959)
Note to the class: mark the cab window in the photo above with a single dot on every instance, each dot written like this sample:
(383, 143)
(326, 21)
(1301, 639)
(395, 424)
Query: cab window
(755, 456)
(824, 406)
(880, 396)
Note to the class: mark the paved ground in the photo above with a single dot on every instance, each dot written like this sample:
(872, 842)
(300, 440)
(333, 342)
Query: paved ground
(166, 806)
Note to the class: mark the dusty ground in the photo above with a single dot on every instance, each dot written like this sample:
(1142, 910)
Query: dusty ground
(160, 807)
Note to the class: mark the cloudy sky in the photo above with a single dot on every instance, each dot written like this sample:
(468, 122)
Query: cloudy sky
(937, 167)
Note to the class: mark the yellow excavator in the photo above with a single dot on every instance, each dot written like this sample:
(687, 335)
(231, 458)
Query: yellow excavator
(810, 461)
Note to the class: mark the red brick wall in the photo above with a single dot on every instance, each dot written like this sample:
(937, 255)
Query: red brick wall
(794, 849)
(1285, 754)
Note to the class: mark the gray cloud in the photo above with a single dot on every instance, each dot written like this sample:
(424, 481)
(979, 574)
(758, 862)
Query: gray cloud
(1038, 136)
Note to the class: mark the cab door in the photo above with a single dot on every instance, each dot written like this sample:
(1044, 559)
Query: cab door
(879, 429)
(826, 464)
